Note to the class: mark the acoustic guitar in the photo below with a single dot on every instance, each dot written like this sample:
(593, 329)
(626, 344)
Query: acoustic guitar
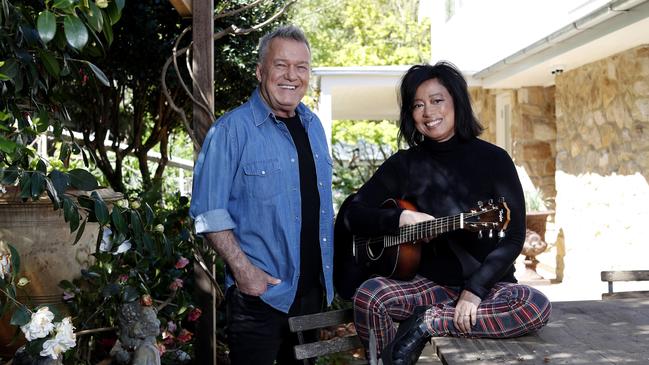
(357, 258)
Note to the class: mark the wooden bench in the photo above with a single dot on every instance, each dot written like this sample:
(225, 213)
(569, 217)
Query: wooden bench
(633, 275)
(323, 320)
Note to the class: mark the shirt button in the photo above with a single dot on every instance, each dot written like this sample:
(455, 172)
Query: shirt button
(320, 183)
(263, 172)
(296, 218)
(323, 212)
(292, 160)
(316, 155)
(324, 239)
(327, 266)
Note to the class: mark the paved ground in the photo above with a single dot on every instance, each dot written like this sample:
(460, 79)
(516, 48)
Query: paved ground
(555, 292)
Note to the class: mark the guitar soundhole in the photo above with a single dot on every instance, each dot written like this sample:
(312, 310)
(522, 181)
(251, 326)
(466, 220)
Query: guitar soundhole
(375, 250)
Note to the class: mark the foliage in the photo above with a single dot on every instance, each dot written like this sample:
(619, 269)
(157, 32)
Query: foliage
(134, 114)
(535, 201)
(359, 147)
(143, 255)
(355, 32)
(41, 46)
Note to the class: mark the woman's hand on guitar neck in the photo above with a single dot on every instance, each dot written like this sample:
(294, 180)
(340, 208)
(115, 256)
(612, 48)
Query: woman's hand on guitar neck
(408, 217)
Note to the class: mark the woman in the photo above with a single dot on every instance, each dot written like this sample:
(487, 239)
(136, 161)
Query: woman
(465, 283)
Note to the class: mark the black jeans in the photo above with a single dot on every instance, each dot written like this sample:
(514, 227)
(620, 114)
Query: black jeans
(258, 334)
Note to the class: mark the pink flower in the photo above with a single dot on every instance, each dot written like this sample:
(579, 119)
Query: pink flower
(167, 338)
(176, 284)
(182, 262)
(123, 278)
(184, 336)
(67, 295)
(161, 348)
(194, 314)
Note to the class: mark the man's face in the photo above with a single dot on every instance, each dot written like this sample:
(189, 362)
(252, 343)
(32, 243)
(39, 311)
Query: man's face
(284, 75)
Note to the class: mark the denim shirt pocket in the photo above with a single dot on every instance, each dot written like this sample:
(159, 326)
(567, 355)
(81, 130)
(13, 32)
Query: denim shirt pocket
(263, 178)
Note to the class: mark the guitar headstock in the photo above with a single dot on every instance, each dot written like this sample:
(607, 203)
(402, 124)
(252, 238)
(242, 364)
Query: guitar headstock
(488, 217)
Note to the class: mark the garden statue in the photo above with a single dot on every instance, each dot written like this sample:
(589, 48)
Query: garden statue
(138, 328)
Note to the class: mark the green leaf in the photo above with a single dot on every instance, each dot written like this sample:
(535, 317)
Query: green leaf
(15, 259)
(74, 220)
(50, 63)
(75, 32)
(80, 232)
(149, 215)
(43, 121)
(38, 182)
(60, 181)
(7, 146)
(101, 211)
(46, 25)
(95, 19)
(118, 221)
(52, 193)
(62, 4)
(82, 180)
(136, 224)
(108, 28)
(120, 4)
(21, 316)
(40, 166)
(66, 285)
(25, 186)
(68, 208)
(114, 12)
(101, 76)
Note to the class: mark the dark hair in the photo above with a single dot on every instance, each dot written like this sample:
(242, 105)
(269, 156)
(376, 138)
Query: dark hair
(284, 32)
(466, 124)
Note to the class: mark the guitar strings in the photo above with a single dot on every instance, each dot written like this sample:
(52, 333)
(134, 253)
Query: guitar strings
(418, 231)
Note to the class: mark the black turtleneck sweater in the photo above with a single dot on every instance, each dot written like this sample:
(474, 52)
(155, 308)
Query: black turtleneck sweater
(445, 179)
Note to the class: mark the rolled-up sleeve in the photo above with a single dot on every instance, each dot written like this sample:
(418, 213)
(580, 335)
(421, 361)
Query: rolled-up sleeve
(214, 173)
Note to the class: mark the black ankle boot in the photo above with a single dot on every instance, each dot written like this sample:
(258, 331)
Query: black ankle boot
(409, 342)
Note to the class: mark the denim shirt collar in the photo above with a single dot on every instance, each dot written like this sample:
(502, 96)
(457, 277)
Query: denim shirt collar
(261, 112)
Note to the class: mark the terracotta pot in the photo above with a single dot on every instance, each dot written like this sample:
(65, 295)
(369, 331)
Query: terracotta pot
(536, 221)
(44, 242)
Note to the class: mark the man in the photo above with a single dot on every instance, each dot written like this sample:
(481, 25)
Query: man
(262, 199)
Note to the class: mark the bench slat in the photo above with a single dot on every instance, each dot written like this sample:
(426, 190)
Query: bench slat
(320, 348)
(632, 275)
(320, 320)
(626, 295)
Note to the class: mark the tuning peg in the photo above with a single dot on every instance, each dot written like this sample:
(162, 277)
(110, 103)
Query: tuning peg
(479, 235)
(501, 233)
(491, 233)
(479, 203)
(491, 201)
(501, 199)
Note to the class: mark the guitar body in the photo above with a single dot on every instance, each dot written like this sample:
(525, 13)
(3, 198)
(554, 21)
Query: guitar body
(397, 262)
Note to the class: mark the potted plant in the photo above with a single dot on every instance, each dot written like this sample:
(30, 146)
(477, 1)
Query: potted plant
(536, 217)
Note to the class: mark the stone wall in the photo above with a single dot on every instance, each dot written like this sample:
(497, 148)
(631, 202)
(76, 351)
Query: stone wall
(534, 135)
(602, 164)
(484, 106)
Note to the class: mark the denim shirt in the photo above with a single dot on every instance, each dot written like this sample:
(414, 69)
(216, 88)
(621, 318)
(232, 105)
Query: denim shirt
(246, 179)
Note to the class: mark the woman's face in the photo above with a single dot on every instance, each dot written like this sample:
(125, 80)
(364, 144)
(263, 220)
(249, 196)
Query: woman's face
(433, 111)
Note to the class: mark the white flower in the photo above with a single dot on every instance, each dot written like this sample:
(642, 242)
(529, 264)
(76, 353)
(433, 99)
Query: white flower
(123, 247)
(101, 3)
(106, 241)
(64, 340)
(40, 325)
(5, 260)
(23, 281)
(65, 333)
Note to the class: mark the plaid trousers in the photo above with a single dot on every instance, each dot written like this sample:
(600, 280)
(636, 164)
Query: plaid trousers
(509, 310)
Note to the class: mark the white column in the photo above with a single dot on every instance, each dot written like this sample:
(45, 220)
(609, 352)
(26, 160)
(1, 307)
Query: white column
(325, 107)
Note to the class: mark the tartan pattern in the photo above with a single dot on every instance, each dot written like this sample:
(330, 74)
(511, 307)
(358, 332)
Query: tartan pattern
(509, 310)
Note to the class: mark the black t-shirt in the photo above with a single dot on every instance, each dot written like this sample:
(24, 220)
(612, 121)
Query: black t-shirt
(310, 256)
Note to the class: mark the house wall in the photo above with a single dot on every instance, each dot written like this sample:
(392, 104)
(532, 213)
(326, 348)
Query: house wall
(483, 102)
(602, 165)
